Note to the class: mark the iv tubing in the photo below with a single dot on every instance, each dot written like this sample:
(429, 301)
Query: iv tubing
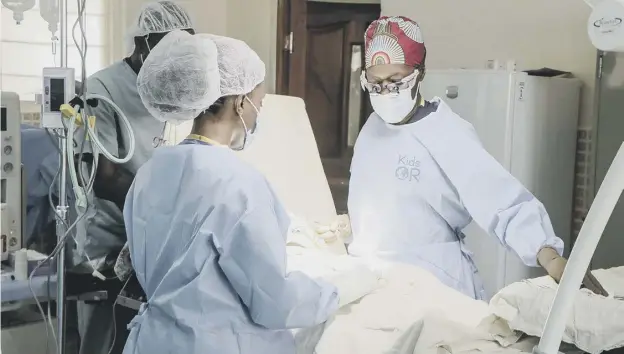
(582, 253)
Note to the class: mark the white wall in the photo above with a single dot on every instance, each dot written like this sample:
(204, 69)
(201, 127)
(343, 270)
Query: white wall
(535, 33)
(351, 1)
(255, 22)
(209, 16)
(26, 48)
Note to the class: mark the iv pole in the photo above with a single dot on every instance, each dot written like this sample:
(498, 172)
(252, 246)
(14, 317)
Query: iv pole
(582, 253)
(61, 209)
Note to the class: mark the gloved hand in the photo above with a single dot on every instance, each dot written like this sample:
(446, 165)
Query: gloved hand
(339, 229)
(554, 265)
(354, 281)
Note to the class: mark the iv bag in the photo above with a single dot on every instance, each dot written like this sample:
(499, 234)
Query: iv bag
(18, 7)
(49, 11)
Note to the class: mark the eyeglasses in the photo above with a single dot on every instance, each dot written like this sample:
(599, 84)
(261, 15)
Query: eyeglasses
(392, 87)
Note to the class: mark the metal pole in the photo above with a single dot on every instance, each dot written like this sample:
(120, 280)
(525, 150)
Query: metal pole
(64, 34)
(61, 210)
(61, 230)
(582, 253)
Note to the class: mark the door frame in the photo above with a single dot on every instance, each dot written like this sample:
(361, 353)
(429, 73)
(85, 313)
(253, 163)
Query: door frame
(291, 47)
(291, 56)
(292, 21)
(293, 18)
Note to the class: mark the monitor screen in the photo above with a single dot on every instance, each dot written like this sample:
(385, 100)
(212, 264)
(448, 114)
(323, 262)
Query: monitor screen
(3, 112)
(57, 94)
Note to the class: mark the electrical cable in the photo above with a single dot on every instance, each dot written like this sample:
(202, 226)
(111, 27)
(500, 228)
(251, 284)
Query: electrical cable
(62, 241)
(78, 179)
(115, 318)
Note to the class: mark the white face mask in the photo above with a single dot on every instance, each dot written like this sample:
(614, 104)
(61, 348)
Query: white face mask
(250, 135)
(162, 139)
(394, 108)
(148, 50)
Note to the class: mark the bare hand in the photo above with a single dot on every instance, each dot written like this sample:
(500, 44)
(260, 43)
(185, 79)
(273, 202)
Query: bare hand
(554, 265)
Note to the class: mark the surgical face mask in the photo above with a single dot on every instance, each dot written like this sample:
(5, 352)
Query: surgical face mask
(394, 106)
(161, 140)
(250, 135)
(149, 49)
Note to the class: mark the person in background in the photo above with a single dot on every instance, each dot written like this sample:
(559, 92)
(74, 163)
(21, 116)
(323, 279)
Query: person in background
(420, 175)
(40, 160)
(40, 163)
(105, 235)
(206, 233)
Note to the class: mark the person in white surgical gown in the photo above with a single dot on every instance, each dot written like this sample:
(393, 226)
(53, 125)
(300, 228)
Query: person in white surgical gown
(206, 233)
(420, 175)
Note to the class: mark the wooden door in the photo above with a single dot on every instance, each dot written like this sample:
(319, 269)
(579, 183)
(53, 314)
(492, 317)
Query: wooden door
(321, 62)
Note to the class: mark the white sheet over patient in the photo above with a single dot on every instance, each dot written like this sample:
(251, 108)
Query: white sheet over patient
(312, 255)
(401, 309)
(596, 323)
(390, 319)
(396, 302)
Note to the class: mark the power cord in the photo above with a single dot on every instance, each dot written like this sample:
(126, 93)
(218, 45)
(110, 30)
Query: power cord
(115, 317)
(78, 180)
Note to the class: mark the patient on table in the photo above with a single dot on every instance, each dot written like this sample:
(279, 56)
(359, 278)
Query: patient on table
(399, 308)
(385, 307)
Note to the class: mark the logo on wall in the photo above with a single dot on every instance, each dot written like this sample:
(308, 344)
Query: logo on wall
(408, 169)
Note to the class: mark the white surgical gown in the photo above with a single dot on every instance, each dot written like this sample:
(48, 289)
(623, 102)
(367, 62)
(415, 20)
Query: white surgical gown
(207, 240)
(415, 187)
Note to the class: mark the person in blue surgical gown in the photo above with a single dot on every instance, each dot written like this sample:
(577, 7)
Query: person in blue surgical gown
(420, 175)
(206, 233)
(105, 234)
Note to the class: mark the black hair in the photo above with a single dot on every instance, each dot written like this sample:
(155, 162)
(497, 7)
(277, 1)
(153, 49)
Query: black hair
(149, 41)
(212, 111)
(216, 107)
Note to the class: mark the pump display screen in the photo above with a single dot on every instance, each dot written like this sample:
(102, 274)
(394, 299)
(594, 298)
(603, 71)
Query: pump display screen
(57, 94)
(3, 112)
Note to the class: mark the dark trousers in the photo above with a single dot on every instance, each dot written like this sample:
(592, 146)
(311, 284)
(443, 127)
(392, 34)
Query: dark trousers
(99, 330)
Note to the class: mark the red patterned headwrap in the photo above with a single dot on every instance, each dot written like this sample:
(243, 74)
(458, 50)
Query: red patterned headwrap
(394, 40)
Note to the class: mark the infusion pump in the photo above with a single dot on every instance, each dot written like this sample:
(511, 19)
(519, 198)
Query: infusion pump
(11, 170)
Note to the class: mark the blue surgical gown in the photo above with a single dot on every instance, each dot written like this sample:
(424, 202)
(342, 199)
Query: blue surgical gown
(207, 239)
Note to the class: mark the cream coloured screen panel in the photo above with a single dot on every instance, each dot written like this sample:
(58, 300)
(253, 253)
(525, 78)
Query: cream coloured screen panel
(285, 151)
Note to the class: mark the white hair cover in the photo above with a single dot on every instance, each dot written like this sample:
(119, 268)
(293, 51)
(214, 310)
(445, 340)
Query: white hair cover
(240, 67)
(158, 17)
(180, 78)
